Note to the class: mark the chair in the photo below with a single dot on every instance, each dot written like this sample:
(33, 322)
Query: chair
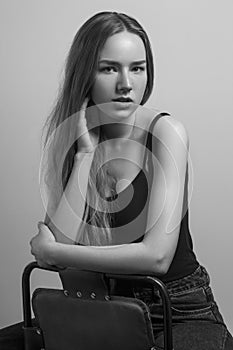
(86, 315)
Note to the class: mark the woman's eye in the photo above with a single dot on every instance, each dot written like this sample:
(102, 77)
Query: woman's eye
(138, 69)
(110, 69)
(107, 69)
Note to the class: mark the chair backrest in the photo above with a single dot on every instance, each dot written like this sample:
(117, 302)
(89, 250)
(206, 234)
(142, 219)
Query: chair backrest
(84, 315)
(69, 322)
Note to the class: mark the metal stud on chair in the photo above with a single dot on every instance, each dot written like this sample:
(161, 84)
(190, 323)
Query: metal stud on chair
(93, 295)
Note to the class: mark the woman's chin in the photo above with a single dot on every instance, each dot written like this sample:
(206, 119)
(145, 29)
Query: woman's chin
(117, 110)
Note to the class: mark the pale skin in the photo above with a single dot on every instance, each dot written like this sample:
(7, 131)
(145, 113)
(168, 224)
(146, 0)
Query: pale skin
(155, 253)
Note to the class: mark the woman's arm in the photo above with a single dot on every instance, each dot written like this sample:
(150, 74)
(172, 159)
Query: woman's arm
(170, 151)
(125, 258)
(154, 254)
(66, 221)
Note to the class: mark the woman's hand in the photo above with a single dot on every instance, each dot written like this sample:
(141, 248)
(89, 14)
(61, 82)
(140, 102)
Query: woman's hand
(87, 139)
(42, 244)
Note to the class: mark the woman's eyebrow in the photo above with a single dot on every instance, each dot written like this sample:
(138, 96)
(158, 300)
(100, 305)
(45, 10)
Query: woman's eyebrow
(118, 63)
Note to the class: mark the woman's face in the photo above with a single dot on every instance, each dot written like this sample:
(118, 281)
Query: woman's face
(121, 73)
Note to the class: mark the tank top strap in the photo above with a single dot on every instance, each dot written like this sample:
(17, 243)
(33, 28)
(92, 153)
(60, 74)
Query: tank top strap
(147, 157)
(152, 124)
(149, 147)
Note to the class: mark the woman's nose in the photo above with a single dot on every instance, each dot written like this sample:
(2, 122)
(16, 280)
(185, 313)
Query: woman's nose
(124, 82)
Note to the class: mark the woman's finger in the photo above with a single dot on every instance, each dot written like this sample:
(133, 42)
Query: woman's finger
(84, 126)
(83, 108)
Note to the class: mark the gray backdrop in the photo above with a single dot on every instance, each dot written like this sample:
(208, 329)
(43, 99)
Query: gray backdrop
(192, 43)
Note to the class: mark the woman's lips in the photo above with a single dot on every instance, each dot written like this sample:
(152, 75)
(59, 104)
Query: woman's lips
(123, 100)
(122, 104)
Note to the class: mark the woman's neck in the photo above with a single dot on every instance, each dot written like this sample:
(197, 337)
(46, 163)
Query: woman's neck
(118, 129)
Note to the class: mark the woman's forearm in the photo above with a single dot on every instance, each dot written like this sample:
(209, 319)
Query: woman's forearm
(126, 258)
(66, 221)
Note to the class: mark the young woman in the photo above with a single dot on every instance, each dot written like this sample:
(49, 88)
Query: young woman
(117, 176)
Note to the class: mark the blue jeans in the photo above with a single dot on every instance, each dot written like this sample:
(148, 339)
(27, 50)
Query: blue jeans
(196, 320)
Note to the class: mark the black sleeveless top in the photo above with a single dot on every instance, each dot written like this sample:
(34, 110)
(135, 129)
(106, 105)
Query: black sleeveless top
(132, 218)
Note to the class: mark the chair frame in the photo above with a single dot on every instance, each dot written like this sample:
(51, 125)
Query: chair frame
(139, 279)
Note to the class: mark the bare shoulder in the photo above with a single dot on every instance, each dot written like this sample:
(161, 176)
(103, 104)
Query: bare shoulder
(168, 128)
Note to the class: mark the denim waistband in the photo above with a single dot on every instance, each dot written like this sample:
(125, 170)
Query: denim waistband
(198, 278)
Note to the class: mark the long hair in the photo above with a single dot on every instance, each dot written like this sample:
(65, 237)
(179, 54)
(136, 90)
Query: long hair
(79, 75)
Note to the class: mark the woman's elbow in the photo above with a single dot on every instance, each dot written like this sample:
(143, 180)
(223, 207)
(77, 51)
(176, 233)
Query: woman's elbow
(155, 266)
(159, 266)
(157, 262)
